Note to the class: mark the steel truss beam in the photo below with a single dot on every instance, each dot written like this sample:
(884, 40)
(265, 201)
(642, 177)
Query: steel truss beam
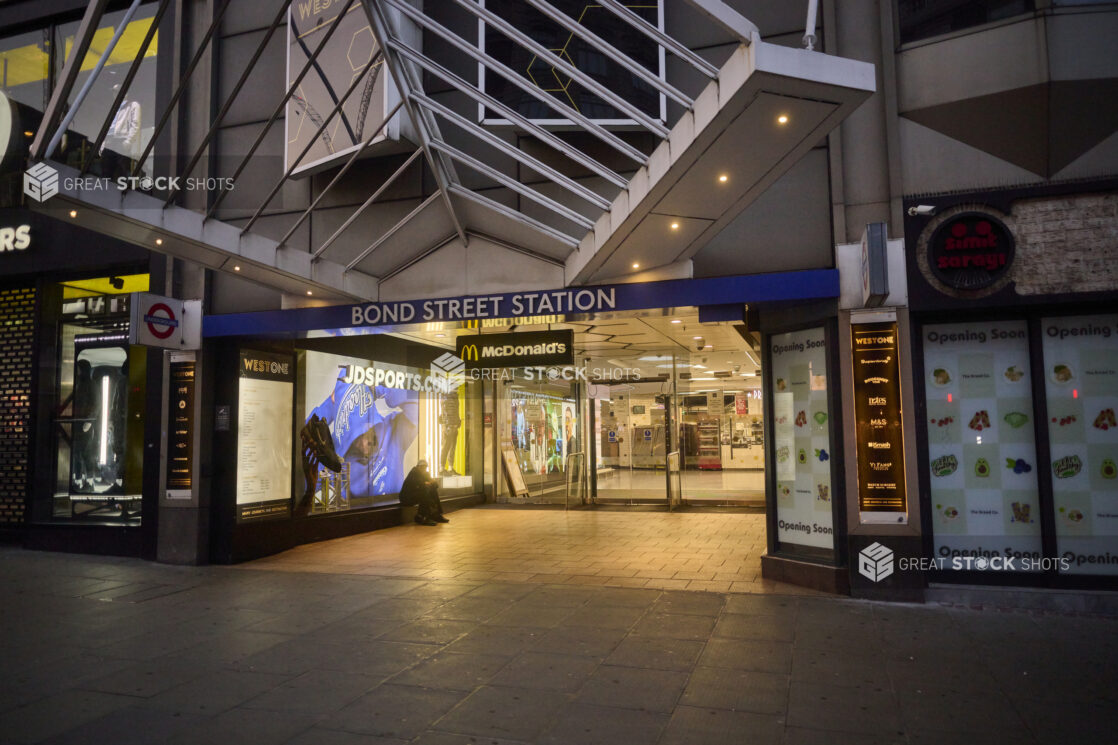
(60, 99)
(660, 37)
(518, 80)
(423, 121)
(280, 13)
(181, 86)
(510, 183)
(344, 169)
(484, 99)
(520, 156)
(612, 52)
(506, 28)
(280, 106)
(313, 139)
(394, 229)
(365, 205)
(133, 68)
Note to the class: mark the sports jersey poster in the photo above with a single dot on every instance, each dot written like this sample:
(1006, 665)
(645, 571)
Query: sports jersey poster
(1081, 386)
(801, 436)
(981, 439)
(374, 427)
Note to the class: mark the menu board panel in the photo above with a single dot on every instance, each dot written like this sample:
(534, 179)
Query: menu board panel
(877, 417)
(264, 418)
(981, 440)
(1081, 386)
(801, 438)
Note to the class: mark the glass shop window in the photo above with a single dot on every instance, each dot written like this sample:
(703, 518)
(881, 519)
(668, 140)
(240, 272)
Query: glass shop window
(97, 432)
(132, 122)
(360, 425)
(922, 19)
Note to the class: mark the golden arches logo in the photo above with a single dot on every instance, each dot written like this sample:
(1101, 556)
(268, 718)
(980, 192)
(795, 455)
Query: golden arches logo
(469, 352)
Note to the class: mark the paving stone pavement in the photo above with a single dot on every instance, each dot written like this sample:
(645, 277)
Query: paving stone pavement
(121, 651)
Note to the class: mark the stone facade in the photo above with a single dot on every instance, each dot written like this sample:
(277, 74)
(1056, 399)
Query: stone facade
(1066, 244)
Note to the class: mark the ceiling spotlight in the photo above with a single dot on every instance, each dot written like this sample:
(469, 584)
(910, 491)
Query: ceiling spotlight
(696, 338)
(636, 265)
(73, 213)
(237, 268)
(723, 178)
(159, 241)
(782, 119)
(708, 346)
(676, 320)
(675, 226)
(309, 292)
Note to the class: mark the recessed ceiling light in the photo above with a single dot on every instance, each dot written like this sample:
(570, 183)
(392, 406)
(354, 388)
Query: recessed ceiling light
(723, 178)
(309, 292)
(709, 346)
(439, 336)
(675, 226)
(676, 320)
(159, 241)
(636, 265)
(237, 268)
(782, 119)
(73, 213)
(696, 338)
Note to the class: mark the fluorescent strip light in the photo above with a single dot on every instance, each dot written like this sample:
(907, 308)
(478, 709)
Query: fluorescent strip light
(104, 459)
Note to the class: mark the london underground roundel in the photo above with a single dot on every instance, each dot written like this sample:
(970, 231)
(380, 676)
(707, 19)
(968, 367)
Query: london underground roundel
(970, 251)
(161, 321)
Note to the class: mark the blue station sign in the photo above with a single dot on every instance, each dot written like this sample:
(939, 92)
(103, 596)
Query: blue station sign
(675, 293)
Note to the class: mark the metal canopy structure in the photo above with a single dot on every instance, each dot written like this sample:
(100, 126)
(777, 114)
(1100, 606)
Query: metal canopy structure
(588, 199)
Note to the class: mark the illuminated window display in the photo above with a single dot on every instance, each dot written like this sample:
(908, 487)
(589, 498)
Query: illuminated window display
(100, 381)
(543, 428)
(363, 424)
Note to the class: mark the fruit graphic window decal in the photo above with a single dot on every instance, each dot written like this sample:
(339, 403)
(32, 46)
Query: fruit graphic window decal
(981, 443)
(1081, 393)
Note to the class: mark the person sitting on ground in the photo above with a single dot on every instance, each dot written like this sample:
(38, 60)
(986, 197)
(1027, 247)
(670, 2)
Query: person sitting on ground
(421, 490)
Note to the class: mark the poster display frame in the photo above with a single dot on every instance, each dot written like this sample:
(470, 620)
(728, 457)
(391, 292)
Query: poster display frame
(836, 555)
(279, 507)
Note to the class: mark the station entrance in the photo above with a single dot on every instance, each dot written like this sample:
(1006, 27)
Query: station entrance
(657, 410)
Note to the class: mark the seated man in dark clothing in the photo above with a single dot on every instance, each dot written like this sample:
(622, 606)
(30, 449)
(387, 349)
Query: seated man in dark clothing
(420, 489)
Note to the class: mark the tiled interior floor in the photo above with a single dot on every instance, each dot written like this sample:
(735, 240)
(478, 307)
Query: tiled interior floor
(719, 552)
(710, 486)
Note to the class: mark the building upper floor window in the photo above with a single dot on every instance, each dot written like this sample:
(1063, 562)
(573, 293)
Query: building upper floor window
(921, 19)
(31, 63)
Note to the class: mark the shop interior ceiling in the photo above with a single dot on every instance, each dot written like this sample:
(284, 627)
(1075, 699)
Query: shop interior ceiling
(731, 129)
(646, 341)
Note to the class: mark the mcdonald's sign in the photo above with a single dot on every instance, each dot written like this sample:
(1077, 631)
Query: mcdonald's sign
(525, 349)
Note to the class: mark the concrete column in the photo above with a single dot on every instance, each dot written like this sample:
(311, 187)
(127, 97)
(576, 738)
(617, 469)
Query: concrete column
(866, 174)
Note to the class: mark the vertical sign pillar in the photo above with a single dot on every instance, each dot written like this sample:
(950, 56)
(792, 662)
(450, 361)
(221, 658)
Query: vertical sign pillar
(183, 520)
